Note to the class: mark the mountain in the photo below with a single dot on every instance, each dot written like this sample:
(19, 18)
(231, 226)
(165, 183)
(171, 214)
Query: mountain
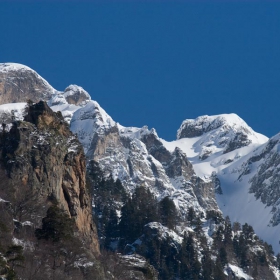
(218, 165)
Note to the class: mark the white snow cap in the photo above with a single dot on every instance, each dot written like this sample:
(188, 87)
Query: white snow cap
(73, 89)
(207, 123)
(9, 66)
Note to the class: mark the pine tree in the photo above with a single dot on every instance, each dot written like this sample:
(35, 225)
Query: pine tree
(227, 232)
(207, 265)
(111, 229)
(56, 226)
(168, 212)
(216, 216)
(126, 225)
(218, 273)
(278, 260)
(190, 266)
(218, 237)
(191, 216)
(243, 247)
(198, 225)
(248, 232)
(236, 227)
(119, 191)
(223, 256)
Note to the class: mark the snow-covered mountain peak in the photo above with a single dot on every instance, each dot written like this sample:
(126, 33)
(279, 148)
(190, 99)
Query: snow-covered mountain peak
(218, 134)
(21, 83)
(76, 95)
(196, 127)
(9, 66)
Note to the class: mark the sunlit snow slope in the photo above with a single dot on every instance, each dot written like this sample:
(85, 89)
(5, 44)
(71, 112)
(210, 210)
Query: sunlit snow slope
(236, 165)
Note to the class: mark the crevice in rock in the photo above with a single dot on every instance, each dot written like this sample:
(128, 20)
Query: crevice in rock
(68, 200)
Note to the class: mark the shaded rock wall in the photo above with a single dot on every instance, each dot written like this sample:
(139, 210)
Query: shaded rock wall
(44, 158)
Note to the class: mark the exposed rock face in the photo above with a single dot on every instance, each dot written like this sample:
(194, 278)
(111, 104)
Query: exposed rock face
(18, 83)
(137, 157)
(181, 173)
(42, 156)
(265, 183)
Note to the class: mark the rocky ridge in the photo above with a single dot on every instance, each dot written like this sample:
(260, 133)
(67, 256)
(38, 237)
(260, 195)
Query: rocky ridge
(263, 168)
(138, 157)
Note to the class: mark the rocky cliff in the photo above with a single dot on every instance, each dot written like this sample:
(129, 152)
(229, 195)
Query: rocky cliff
(42, 164)
(19, 83)
(138, 157)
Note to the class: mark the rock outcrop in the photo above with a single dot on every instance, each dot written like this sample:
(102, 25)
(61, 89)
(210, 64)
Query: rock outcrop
(54, 165)
(76, 95)
(18, 83)
(138, 157)
(43, 158)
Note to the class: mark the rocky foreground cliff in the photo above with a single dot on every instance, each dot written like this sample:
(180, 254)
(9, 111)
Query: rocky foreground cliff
(43, 166)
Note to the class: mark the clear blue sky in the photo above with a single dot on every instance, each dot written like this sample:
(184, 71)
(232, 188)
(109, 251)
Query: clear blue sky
(155, 63)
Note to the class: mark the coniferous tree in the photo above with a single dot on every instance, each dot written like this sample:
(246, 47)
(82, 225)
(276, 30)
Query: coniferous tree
(216, 216)
(248, 232)
(168, 259)
(56, 226)
(218, 237)
(223, 256)
(168, 212)
(189, 264)
(227, 232)
(198, 225)
(236, 227)
(126, 225)
(119, 192)
(207, 265)
(218, 272)
(103, 222)
(111, 229)
(138, 211)
(278, 260)
(243, 247)
(94, 173)
(191, 216)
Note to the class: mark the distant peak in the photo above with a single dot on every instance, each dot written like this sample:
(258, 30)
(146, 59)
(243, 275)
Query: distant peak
(76, 95)
(197, 127)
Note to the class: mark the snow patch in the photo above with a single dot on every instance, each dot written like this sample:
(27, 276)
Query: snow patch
(238, 272)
